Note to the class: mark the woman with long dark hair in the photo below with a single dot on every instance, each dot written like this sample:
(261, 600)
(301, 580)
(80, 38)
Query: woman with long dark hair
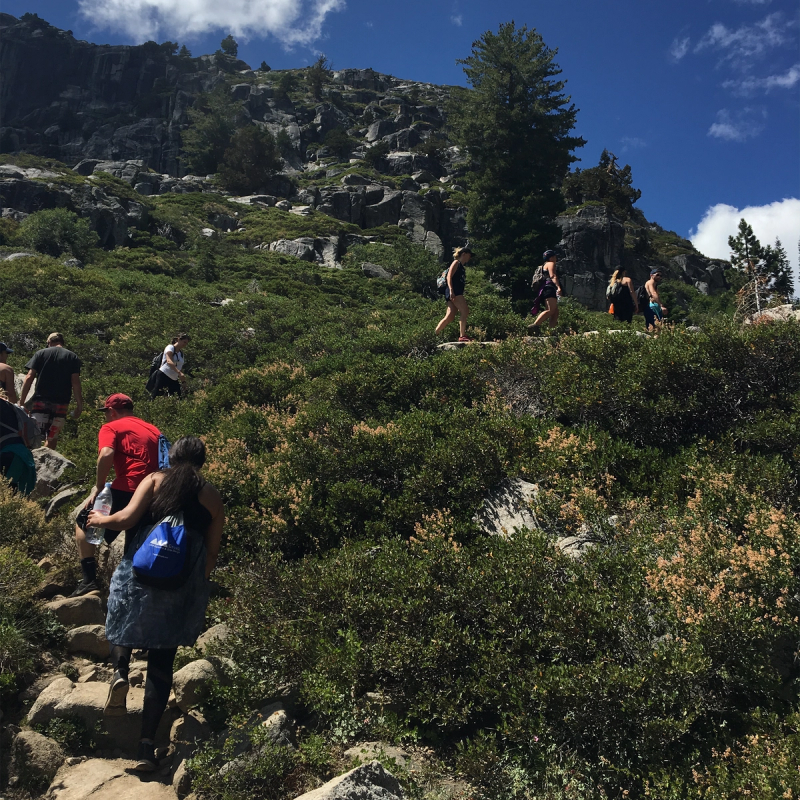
(160, 620)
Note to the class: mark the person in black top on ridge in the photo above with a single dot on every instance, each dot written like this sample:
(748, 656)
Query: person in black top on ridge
(454, 293)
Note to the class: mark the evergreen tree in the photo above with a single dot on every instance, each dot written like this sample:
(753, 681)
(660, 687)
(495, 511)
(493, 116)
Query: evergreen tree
(748, 255)
(746, 250)
(776, 262)
(265, 67)
(317, 74)
(607, 183)
(212, 123)
(339, 143)
(515, 124)
(185, 52)
(250, 161)
(229, 46)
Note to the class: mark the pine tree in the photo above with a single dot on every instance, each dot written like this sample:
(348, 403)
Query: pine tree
(212, 123)
(515, 124)
(607, 183)
(770, 264)
(229, 46)
(746, 250)
(250, 161)
(777, 266)
(317, 74)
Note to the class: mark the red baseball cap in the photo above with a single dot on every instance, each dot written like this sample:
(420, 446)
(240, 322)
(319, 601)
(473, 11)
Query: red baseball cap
(120, 402)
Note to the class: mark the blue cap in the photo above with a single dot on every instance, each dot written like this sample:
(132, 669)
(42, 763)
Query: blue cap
(4, 348)
(548, 254)
(656, 270)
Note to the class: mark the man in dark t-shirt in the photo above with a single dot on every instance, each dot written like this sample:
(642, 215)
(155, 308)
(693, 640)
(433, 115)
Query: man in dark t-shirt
(130, 446)
(58, 376)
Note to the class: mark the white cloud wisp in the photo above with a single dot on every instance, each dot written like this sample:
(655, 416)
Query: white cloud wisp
(741, 46)
(780, 219)
(293, 22)
(740, 127)
(746, 86)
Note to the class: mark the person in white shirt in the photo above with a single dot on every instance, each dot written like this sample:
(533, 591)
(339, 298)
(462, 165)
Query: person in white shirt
(170, 378)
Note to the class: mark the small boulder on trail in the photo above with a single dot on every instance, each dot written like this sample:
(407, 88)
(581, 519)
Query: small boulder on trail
(367, 782)
(88, 639)
(78, 611)
(189, 682)
(35, 759)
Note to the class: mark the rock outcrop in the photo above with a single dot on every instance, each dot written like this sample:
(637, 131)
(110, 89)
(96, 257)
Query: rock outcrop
(592, 246)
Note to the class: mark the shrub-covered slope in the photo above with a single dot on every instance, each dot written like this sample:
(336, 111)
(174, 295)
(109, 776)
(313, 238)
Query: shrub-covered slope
(353, 457)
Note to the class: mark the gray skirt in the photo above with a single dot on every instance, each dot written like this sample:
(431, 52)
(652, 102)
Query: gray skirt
(144, 617)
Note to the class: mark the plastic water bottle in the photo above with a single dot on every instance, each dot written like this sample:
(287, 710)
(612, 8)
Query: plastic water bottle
(102, 504)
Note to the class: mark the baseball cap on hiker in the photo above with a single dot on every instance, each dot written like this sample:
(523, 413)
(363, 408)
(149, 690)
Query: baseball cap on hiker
(548, 254)
(656, 271)
(119, 402)
(4, 348)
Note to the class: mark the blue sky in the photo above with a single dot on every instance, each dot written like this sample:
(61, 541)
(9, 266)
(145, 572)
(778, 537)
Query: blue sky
(701, 97)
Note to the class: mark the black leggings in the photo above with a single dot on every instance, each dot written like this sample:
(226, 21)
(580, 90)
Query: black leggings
(156, 688)
(165, 385)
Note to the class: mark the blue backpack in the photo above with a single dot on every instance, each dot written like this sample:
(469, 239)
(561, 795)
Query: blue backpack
(163, 451)
(165, 554)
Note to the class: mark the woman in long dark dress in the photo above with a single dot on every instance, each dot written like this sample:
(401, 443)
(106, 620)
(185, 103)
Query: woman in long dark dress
(154, 619)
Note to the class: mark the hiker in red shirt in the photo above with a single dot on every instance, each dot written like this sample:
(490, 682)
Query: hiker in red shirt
(130, 446)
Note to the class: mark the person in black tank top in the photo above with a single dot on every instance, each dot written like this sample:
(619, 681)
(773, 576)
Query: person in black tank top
(454, 293)
(155, 619)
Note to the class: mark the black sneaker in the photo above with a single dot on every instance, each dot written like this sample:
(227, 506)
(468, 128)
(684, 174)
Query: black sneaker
(117, 701)
(146, 760)
(86, 587)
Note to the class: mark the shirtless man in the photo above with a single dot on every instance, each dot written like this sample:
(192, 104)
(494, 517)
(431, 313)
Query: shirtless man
(7, 374)
(653, 310)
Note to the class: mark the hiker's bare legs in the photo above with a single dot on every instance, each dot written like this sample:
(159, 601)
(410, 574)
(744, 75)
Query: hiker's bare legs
(550, 313)
(458, 305)
(463, 312)
(448, 317)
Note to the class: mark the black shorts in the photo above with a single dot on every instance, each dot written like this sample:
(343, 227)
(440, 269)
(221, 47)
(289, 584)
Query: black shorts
(119, 500)
(548, 291)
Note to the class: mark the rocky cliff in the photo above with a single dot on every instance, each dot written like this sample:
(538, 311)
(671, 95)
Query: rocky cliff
(121, 110)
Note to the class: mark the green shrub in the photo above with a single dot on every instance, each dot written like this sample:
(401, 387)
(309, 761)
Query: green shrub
(73, 733)
(250, 161)
(57, 231)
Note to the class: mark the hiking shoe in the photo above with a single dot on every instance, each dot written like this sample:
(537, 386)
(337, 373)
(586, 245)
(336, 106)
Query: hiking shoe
(146, 759)
(116, 703)
(86, 587)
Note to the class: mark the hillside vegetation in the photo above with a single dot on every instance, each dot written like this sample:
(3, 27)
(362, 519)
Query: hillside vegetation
(353, 458)
(638, 640)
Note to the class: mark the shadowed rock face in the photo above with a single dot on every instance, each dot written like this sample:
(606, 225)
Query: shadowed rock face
(70, 99)
(592, 246)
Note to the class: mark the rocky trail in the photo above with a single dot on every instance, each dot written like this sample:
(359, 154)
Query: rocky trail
(70, 694)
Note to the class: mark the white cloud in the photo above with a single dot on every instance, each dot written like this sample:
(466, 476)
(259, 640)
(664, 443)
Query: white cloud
(740, 127)
(780, 219)
(294, 22)
(632, 143)
(741, 46)
(680, 47)
(457, 19)
(787, 80)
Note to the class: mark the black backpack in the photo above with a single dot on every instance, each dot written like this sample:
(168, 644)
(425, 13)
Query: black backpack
(155, 364)
(642, 297)
(614, 293)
